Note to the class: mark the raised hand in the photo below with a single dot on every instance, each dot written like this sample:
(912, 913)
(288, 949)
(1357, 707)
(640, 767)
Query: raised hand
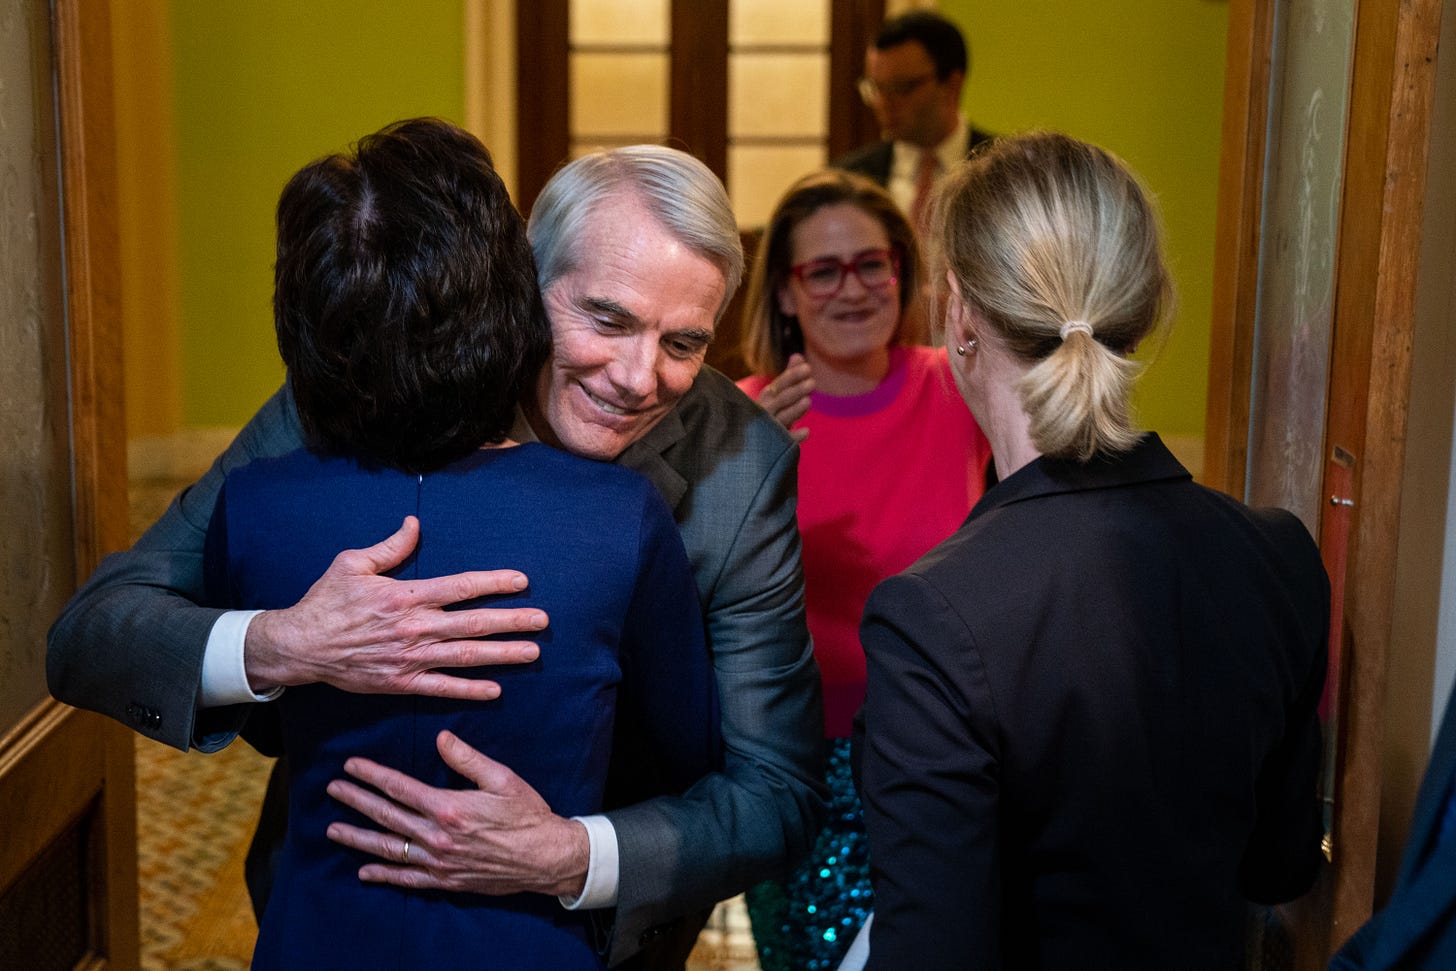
(786, 397)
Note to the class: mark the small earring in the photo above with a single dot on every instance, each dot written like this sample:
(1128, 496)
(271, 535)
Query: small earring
(960, 350)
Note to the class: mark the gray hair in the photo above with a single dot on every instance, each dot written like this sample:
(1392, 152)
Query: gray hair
(679, 191)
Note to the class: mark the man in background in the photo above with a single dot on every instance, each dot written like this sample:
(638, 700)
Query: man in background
(914, 72)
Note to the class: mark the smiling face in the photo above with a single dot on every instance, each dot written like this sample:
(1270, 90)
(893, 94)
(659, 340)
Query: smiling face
(630, 326)
(853, 329)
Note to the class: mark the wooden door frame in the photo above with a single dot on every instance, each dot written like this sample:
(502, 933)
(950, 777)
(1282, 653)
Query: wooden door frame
(1387, 138)
(63, 770)
(698, 68)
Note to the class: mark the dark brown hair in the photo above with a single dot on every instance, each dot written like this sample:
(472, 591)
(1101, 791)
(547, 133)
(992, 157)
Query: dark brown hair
(405, 298)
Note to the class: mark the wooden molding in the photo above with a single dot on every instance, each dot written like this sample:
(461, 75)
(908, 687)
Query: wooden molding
(93, 279)
(1236, 243)
(1378, 248)
(854, 24)
(698, 81)
(1375, 292)
(82, 37)
(542, 74)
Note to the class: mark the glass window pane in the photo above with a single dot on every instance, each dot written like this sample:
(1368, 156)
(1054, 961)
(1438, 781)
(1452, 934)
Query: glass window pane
(778, 22)
(759, 174)
(616, 21)
(618, 95)
(1294, 321)
(778, 95)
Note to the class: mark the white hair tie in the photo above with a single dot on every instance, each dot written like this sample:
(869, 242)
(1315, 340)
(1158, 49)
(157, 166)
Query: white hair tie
(1072, 326)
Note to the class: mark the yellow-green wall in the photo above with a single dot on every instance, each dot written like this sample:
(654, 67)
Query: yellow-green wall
(260, 88)
(146, 161)
(1143, 78)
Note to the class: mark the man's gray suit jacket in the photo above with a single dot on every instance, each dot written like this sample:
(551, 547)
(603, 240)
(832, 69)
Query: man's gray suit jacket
(130, 645)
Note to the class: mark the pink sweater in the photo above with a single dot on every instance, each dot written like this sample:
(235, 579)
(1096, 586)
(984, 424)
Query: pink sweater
(883, 477)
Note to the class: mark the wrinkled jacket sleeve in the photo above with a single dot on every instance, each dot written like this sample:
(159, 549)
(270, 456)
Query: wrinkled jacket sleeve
(129, 643)
(759, 815)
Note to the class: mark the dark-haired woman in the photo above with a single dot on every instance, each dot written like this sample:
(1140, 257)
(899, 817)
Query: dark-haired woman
(1090, 730)
(890, 463)
(409, 319)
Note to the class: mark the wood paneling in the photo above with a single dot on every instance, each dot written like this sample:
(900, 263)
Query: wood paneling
(1378, 249)
(851, 123)
(1236, 245)
(59, 768)
(698, 110)
(1385, 177)
(542, 105)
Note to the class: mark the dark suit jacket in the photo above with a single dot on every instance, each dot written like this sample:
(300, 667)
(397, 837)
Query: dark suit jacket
(875, 160)
(1090, 727)
(130, 644)
(1417, 927)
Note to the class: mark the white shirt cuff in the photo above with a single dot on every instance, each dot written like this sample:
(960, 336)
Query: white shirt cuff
(224, 676)
(602, 870)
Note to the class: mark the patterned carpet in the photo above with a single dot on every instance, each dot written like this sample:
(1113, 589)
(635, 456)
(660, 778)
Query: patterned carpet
(195, 816)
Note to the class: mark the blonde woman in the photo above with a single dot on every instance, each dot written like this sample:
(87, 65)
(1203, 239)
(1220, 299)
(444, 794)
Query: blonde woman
(1089, 732)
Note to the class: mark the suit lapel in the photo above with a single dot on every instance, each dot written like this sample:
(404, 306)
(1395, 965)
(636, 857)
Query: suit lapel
(646, 456)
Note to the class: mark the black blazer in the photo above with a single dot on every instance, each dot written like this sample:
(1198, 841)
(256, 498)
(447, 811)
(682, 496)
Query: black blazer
(875, 160)
(1090, 728)
(1417, 928)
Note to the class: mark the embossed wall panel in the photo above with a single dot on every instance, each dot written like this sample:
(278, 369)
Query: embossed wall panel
(1294, 321)
(37, 568)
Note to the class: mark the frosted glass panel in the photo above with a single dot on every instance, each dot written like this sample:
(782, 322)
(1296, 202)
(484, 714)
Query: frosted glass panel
(778, 22)
(616, 21)
(618, 95)
(758, 175)
(1297, 256)
(778, 95)
(37, 565)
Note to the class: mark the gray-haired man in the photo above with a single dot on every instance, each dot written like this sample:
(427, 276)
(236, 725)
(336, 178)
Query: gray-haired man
(637, 255)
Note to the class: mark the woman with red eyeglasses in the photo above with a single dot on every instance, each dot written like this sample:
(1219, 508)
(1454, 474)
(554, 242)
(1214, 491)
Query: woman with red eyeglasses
(891, 462)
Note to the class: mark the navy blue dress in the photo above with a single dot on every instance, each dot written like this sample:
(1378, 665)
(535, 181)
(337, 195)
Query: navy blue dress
(605, 562)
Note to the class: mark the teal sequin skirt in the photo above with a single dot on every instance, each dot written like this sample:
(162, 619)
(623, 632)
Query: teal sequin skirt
(806, 922)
